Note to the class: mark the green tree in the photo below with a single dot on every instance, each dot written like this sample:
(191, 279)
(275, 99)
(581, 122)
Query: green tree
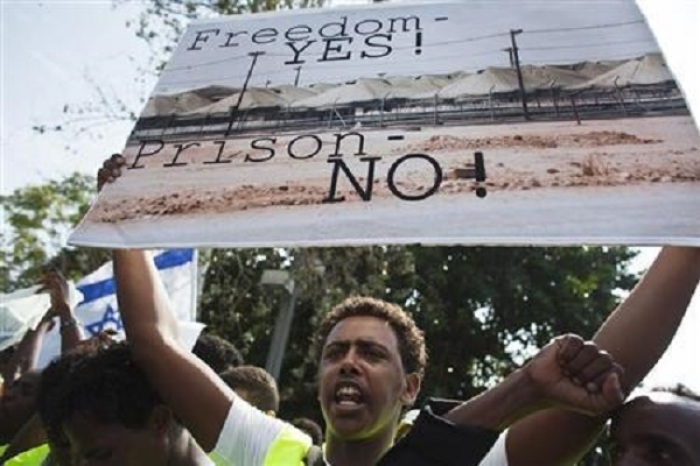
(36, 223)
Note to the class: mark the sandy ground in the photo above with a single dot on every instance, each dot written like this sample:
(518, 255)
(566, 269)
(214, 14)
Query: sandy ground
(637, 159)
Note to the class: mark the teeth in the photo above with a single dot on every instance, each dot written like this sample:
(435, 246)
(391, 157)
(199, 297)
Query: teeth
(348, 395)
(347, 391)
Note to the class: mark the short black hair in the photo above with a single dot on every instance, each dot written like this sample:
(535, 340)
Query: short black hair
(410, 338)
(218, 353)
(256, 386)
(102, 383)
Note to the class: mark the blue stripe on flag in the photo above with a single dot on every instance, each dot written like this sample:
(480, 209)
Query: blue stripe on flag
(164, 260)
(173, 258)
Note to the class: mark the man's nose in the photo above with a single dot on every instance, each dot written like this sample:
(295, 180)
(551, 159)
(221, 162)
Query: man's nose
(349, 363)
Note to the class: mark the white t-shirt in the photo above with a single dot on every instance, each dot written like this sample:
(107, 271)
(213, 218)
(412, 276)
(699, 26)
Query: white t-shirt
(497, 454)
(252, 438)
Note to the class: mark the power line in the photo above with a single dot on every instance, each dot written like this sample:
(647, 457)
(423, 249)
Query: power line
(581, 28)
(198, 65)
(584, 46)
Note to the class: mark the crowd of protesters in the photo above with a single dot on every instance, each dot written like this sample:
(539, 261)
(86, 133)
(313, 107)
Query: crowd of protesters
(149, 401)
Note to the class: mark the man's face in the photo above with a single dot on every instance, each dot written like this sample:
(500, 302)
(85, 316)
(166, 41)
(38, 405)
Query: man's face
(362, 381)
(94, 443)
(660, 429)
(17, 404)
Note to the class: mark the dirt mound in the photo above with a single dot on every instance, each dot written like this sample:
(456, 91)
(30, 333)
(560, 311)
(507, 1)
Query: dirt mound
(439, 143)
(229, 200)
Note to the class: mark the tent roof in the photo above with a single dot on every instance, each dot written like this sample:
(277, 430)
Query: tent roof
(184, 102)
(361, 90)
(649, 69)
(254, 97)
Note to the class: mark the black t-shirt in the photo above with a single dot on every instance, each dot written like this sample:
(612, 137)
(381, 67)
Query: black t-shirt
(435, 441)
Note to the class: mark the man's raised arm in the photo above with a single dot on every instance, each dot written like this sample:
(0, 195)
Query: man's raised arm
(194, 392)
(636, 335)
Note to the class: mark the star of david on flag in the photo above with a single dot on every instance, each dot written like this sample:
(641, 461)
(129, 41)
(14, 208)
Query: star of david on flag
(111, 320)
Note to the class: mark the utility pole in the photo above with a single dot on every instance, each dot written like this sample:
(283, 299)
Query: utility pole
(296, 79)
(516, 58)
(280, 334)
(510, 56)
(255, 56)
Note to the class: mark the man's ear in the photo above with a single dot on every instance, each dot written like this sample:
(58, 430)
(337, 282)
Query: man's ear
(161, 419)
(410, 393)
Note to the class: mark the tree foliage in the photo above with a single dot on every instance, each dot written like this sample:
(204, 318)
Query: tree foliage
(36, 222)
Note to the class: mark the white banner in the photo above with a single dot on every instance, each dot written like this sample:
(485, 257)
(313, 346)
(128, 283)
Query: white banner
(492, 122)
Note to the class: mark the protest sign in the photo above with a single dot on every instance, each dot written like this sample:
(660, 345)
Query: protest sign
(470, 123)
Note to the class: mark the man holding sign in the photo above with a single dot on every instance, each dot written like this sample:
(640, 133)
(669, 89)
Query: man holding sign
(650, 315)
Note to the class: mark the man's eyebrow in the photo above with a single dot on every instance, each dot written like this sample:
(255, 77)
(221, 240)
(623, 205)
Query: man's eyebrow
(362, 342)
(372, 343)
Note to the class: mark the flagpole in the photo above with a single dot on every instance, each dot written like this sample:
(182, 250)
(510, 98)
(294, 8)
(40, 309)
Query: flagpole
(194, 271)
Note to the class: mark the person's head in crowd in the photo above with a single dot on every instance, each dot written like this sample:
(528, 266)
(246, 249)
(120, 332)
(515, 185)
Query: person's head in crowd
(659, 428)
(17, 404)
(311, 428)
(216, 352)
(255, 385)
(98, 401)
(372, 359)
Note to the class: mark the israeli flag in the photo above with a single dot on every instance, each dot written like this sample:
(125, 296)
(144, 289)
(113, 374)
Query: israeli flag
(20, 311)
(98, 311)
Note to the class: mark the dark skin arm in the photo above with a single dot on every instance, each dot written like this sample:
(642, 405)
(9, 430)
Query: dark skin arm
(199, 398)
(636, 335)
(547, 381)
(71, 331)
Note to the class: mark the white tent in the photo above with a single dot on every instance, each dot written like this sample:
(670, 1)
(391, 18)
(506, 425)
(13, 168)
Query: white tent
(253, 97)
(649, 69)
(495, 80)
(291, 94)
(361, 90)
(545, 77)
(215, 92)
(416, 88)
(184, 102)
(593, 69)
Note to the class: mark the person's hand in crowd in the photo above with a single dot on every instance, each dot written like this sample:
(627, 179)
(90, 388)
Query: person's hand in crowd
(576, 374)
(56, 285)
(110, 171)
(71, 330)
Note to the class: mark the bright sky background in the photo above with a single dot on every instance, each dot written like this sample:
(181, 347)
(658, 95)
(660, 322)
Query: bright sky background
(51, 52)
